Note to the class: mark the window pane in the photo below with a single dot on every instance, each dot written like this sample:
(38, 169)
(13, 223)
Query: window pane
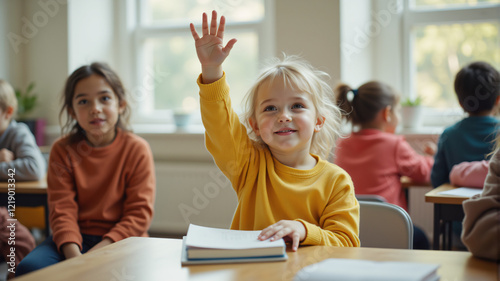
(185, 11)
(441, 50)
(449, 4)
(177, 67)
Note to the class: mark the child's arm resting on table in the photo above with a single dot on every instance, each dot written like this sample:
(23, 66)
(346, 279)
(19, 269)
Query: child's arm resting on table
(70, 250)
(6, 155)
(24, 156)
(210, 49)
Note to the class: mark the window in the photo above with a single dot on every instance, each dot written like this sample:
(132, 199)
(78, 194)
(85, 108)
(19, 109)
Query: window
(440, 37)
(166, 63)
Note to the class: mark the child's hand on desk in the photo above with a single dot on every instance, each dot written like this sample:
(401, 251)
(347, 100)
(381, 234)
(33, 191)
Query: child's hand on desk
(210, 49)
(430, 148)
(6, 155)
(70, 250)
(289, 230)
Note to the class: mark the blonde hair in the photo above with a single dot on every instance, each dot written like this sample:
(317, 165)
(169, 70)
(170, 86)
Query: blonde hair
(7, 96)
(298, 74)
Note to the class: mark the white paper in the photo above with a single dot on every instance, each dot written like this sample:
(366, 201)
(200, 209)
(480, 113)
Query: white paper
(462, 191)
(347, 269)
(217, 238)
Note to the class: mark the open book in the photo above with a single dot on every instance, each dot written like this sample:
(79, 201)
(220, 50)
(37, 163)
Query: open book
(215, 245)
(347, 269)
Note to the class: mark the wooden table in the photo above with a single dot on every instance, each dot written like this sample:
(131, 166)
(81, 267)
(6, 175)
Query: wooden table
(406, 183)
(447, 208)
(159, 259)
(28, 194)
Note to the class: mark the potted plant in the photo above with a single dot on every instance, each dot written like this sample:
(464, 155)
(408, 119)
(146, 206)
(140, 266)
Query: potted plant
(26, 102)
(411, 113)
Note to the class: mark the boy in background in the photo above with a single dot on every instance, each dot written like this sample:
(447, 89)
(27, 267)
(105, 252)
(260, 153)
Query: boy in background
(21, 158)
(477, 86)
(18, 149)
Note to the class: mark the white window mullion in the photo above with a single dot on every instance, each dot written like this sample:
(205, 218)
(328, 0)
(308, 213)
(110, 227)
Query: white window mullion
(451, 16)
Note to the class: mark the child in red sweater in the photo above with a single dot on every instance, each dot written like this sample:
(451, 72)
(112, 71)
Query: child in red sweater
(101, 181)
(373, 155)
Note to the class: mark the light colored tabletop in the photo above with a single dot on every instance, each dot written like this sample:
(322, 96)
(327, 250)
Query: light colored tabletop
(150, 259)
(32, 187)
(406, 182)
(433, 196)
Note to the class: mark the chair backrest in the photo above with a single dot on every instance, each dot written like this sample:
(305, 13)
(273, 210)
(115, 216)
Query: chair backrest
(370, 197)
(384, 225)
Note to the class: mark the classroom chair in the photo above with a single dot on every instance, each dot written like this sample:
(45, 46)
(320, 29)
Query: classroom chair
(371, 198)
(384, 225)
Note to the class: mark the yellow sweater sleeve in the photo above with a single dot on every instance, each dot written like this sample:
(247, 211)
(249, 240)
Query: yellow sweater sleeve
(225, 137)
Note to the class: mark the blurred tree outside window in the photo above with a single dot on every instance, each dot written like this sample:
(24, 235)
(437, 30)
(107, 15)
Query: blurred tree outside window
(444, 36)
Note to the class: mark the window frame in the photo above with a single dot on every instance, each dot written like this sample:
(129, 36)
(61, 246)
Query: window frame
(427, 16)
(135, 56)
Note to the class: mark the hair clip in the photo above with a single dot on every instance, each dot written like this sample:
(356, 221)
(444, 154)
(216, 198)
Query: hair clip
(351, 94)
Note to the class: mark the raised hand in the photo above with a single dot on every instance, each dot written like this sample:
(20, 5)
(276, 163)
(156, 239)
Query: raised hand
(210, 49)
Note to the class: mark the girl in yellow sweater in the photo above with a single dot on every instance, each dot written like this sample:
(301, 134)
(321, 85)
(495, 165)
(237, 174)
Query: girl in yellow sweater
(277, 167)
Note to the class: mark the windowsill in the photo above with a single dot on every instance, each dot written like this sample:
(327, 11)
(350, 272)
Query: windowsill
(423, 130)
(146, 129)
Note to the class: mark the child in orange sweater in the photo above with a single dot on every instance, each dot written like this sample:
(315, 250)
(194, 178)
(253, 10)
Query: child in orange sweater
(101, 181)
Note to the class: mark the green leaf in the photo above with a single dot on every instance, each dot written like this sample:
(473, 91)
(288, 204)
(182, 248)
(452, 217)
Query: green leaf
(26, 100)
(410, 102)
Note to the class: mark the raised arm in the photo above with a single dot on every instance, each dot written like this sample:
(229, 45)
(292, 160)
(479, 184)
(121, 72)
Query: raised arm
(210, 49)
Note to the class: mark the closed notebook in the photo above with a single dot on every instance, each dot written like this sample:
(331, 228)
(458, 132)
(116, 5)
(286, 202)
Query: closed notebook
(212, 244)
(349, 269)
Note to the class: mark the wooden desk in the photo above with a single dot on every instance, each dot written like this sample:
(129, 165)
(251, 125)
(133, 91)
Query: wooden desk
(159, 259)
(447, 208)
(406, 182)
(28, 194)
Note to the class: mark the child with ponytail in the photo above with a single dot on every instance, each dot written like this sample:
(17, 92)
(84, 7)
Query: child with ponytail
(373, 155)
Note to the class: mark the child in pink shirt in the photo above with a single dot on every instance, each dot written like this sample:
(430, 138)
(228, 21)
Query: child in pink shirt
(373, 155)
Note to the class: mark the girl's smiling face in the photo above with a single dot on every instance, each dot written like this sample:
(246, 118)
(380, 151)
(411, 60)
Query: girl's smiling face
(285, 118)
(96, 108)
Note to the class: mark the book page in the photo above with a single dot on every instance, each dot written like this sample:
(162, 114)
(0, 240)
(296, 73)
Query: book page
(347, 269)
(217, 238)
(462, 191)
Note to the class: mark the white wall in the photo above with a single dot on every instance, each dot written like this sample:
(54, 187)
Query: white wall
(54, 37)
(4, 44)
(11, 58)
(356, 42)
(367, 27)
(91, 34)
(310, 29)
(45, 24)
(387, 64)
